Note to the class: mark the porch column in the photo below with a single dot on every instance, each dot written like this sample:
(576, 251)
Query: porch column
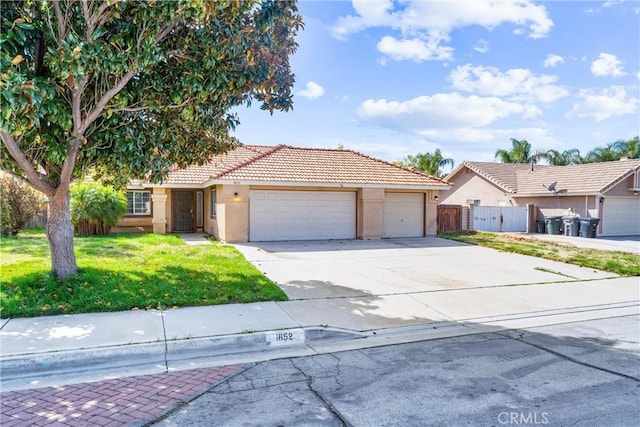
(159, 202)
(370, 213)
(233, 213)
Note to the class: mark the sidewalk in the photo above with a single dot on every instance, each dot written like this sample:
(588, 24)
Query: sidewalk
(46, 351)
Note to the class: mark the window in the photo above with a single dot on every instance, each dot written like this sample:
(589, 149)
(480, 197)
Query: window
(138, 203)
(213, 202)
(473, 202)
(199, 209)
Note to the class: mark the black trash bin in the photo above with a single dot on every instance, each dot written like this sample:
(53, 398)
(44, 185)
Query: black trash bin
(571, 225)
(588, 227)
(553, 224)
(540, 226)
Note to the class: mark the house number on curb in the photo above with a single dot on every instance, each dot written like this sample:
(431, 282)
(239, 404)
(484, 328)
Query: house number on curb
(286, 337)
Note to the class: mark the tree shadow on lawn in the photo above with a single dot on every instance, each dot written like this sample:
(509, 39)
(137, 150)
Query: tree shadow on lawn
(99, 290)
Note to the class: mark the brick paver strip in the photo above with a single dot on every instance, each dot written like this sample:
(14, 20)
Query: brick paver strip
(123, 401)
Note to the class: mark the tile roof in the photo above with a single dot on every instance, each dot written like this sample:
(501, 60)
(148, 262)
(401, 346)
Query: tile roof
(287, 164)
(586, 178)
(504, 175)
(519, 179)
(219, 164)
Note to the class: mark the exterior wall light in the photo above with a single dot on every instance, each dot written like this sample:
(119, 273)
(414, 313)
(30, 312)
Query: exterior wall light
(236, 196)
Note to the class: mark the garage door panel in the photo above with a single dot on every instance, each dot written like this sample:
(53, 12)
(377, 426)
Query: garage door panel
(621, 216)
(301, 215)
(403, 215)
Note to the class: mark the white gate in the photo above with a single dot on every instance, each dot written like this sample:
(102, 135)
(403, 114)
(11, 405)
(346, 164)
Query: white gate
(500, 218)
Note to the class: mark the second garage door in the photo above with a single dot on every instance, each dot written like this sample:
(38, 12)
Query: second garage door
(301, 215)
(403, 215)
(621, 216)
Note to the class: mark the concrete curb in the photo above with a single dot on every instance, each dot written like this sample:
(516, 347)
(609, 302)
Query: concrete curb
(162, 356)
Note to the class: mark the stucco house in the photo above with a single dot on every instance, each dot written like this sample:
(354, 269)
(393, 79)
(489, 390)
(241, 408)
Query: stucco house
(608, 191)
(260, 193)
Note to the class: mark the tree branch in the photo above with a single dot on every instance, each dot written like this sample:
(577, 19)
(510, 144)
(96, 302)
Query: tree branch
(62, 24)
(21, 159)
(97, 111)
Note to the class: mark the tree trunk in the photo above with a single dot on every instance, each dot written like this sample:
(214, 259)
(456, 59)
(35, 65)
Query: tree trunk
(59, 231)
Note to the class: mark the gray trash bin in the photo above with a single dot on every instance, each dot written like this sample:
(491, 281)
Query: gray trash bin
(571, 225)
(540, 226)
(553, 224)
(588, 227)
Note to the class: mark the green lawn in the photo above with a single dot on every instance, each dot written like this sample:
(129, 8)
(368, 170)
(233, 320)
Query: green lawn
(126, 272)
(623, 263)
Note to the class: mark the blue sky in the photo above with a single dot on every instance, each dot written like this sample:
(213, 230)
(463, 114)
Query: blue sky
(392, 78)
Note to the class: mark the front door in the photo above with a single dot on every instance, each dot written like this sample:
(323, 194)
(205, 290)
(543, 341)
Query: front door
(182, 207)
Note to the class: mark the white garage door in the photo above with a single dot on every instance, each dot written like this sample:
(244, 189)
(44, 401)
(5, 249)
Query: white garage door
(403, 215)
(301, 215)
(621, 216)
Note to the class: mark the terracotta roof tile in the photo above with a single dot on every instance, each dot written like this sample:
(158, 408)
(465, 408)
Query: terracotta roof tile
(301, 165)
(198, 174)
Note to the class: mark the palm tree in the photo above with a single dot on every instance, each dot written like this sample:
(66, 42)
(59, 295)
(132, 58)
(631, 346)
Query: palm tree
(602, 154)
(630, 148)
(520, 152)
(557, 158)
(428, 163)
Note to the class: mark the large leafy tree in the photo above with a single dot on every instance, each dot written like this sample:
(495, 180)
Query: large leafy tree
(131, 88)
(430, 163)
(520, 152)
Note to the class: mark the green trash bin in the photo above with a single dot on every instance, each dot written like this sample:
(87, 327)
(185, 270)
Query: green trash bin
(571, 225)
(553, 224)
(588, 227)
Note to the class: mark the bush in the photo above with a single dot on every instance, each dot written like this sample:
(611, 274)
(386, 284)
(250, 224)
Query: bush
(95, 208)
(18, 204)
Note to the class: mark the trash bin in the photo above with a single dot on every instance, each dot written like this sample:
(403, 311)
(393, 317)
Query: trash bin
(540, 226)
(553, 224)
(588, 227)
(571, 225)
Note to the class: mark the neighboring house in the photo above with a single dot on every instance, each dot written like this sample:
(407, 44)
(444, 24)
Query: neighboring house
(258, 193)
(608, 191)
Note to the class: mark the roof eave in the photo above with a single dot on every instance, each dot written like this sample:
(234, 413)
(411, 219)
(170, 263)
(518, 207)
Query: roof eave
(352, 185)
(568, 194)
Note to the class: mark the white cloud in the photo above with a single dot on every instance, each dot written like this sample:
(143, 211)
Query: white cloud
(416, 50)
(552, 60)
(431, 22)
(607, 65)
(313, 90)
(441, 110)
(604, 104)
(516, 84)
(481, 46)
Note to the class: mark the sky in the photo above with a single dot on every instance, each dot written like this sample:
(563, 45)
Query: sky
(393, 78)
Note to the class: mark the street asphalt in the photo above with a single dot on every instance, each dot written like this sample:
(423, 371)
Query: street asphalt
(344, 295)
(576, 374)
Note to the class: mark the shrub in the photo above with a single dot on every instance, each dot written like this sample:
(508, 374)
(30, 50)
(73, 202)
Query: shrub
(95, 208)
(18, 204)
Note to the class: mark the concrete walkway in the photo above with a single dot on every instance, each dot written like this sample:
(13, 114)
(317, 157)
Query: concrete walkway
(332, 308)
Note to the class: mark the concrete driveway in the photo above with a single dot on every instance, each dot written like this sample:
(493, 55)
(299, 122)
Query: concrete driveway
(321, 269)
(398, 283)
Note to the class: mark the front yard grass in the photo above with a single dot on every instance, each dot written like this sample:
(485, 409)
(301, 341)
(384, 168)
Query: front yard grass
(623, 263)
(126, 272)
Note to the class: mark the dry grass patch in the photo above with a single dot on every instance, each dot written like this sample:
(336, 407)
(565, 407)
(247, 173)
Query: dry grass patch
(623, 263)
